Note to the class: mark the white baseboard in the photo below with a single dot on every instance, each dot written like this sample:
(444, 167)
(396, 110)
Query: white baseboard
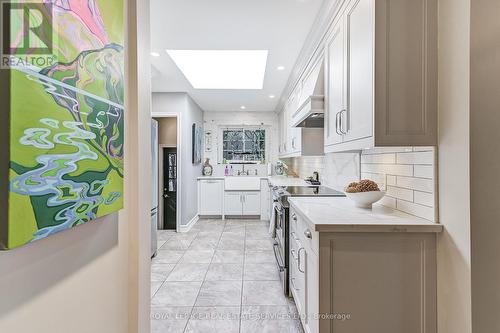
(187, 227)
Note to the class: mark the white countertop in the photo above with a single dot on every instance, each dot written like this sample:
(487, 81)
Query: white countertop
(340, 215)
(273, 180)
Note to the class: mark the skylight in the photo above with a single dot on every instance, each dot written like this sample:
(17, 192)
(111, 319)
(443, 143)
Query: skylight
(222, 69)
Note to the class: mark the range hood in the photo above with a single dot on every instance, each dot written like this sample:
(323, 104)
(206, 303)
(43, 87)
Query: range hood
(311, 107)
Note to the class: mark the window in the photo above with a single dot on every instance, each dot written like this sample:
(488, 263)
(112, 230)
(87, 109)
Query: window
(244, 145)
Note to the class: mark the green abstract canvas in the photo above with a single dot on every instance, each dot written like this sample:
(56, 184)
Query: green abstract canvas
(65, 125)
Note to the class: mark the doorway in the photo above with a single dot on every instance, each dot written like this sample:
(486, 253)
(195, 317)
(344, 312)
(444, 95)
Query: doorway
(169, 190)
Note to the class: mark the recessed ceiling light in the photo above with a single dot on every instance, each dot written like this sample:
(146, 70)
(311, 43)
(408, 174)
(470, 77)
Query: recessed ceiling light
(155, 54)
(243, 107)
(271, 96)
(280, 68)
(222, 69)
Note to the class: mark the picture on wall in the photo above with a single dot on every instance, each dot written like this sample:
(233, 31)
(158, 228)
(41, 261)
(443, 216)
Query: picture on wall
(197, 142)
(65, 124)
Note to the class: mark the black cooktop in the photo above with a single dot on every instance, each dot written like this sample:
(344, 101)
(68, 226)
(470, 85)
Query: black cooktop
(312, 191)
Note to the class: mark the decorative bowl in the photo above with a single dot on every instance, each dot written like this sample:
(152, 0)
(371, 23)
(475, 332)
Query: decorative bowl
(365, 199)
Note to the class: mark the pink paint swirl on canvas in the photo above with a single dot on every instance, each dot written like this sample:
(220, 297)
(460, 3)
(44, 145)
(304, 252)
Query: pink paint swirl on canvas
(88, 13)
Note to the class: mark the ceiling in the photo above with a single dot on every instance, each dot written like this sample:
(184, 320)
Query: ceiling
(280, 26)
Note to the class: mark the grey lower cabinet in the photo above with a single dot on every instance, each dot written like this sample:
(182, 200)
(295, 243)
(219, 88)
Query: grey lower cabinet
(350, 282)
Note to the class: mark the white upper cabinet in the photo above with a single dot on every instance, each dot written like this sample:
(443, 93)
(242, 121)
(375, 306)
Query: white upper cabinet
(336, 83)
(357, 119)
(381, 75)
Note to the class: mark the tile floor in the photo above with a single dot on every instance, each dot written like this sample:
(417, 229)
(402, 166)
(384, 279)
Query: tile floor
(220, 277)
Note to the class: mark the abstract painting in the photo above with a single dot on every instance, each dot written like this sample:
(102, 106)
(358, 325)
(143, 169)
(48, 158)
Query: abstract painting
(66, 125)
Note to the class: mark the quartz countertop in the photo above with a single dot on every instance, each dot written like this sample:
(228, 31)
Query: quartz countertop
(273, 180)
(211, 177)
(341, 215)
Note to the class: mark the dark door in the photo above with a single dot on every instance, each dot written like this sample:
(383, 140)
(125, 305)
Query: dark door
(169, 188)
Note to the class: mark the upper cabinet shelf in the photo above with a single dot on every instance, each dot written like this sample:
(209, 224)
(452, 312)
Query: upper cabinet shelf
(381, 77)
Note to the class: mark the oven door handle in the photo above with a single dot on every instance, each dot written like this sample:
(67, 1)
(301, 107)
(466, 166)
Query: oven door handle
(281, 267)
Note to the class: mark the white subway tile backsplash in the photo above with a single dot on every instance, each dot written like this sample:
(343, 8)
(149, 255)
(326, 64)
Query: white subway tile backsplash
(424, 198)
(392, 169)
(377, 178)
(405, 173)
(391, 180)
(389, 202)
(419, 184)
(424, 157)
(424, 171)
(416, 209)
(400, 193)
(408, 178)
(386, 150)
(379, 159)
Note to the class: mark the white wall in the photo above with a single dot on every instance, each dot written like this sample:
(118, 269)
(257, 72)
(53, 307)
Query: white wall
(215, 120)
(454, 257)
(95, 277)
(187, 113)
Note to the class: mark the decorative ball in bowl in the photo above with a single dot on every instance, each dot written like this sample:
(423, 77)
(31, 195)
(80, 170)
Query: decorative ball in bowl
(365, 193)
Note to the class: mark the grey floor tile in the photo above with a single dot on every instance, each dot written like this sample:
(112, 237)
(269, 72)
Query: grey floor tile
(220, 293)
(198, 256)
(155, 285)
(234, 233)
(178, 244)
(160, 243)
(214, 320)
(168, 256)
(160, 272)
(177, 294)
(260, 257)
(261, 272)
(225, 272)
(263, 293)
(258, 244)
(188, 272)
(229, 256)
(204, 244)
(169, 319)
(231, 243)
(267, 319)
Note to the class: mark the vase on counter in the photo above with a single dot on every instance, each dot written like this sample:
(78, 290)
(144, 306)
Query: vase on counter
(207, 168)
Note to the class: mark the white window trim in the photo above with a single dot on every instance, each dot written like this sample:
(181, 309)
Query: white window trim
(220, 142)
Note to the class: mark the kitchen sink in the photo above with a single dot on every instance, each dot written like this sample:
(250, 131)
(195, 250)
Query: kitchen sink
(242, 183)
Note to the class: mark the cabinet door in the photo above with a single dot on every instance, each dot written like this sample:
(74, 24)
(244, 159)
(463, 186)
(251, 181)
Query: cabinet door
(312, 289)
(211, 196)
(233, 203)
(336, 83)
(357, 122)
(251, 203)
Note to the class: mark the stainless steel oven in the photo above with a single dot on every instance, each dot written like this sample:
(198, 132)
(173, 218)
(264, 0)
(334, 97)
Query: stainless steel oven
(282, 224)
(281, 244)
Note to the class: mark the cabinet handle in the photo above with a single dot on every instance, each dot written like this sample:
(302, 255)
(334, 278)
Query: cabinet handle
(293, 284)
(293, 254)
(341, 128)
(299, 262)
(308, 234)
(337, 123)
(294, 217)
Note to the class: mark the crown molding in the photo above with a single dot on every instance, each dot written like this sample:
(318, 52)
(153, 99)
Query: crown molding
(312, 47)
